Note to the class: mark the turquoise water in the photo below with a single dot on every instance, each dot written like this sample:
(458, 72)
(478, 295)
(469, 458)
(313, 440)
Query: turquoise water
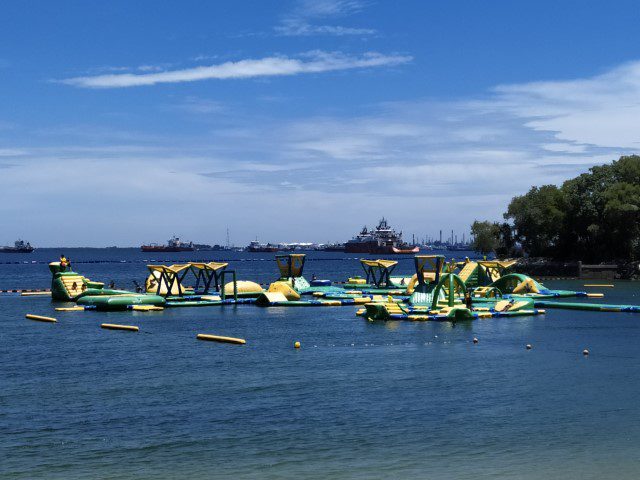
(359, 400)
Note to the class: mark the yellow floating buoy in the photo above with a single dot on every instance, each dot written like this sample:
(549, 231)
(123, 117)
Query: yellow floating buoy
(595, 295)
(296, 345)
(603, 285)
(585, 352)
(115, 326)
(69, 309)
(475, 340)
(146, 308)
(32, 294)
(40, 318)
(218, 338)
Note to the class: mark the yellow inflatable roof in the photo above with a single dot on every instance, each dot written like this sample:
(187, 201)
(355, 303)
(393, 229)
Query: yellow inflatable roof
(379, 263)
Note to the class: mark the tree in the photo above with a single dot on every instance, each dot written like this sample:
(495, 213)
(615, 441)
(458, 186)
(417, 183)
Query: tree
(486, 236)
(538, 219)
(506, 242)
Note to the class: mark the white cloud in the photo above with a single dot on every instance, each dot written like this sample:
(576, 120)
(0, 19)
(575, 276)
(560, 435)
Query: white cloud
(296, 28)
(446, 163)
(250, 68)
(602, 110)
(200, 105)
(299, 22)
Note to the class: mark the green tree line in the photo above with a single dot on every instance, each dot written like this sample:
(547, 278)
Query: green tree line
(593, 217)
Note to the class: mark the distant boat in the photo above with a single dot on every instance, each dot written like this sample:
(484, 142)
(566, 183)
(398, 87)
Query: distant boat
(459, 247)
(382, 240)
(212, 248)
(173, 245)
(19, 246)
(256, 246)
(333, 247)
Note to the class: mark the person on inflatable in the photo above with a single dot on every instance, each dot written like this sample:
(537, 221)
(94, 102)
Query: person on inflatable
(64, 263)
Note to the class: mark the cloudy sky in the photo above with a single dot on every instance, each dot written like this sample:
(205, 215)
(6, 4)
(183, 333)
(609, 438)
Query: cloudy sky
(127, 122)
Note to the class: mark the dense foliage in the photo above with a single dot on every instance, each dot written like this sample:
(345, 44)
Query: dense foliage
(593, 217)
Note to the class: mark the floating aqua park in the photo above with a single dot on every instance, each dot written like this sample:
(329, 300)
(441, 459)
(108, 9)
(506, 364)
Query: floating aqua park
(438, 290)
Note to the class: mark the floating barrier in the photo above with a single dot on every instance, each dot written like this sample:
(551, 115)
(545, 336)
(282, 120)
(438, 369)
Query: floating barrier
(40, 318)
(603, 285)
(115, 326)
(70, 309)
(33, 294)
(25, 290)
(594, 307)
(218, 338)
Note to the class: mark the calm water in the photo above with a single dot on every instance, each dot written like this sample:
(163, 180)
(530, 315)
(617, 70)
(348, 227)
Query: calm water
(358, 400)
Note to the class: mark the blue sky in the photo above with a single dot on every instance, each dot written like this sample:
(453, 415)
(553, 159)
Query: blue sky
(127, 122)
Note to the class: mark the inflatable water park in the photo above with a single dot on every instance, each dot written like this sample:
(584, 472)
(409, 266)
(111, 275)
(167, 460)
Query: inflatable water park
(438, 290)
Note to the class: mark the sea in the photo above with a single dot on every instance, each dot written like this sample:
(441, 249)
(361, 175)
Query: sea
(358, 400)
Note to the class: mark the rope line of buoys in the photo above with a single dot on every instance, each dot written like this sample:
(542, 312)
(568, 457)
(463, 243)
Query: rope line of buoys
(179, 260)
(26, 291)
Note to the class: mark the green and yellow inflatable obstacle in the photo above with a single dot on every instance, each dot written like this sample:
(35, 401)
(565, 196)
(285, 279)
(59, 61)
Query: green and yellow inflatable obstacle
(435, 295)
(67, 285)
(378, 279)
(168, 281)
(291, 285)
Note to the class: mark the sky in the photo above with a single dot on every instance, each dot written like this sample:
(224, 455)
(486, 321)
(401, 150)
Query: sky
(296, 120)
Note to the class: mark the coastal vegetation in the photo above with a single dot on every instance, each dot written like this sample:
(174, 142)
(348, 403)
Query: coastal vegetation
(592, 217)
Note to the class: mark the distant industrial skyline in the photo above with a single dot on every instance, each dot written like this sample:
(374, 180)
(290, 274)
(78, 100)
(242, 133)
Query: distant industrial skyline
(128, 122)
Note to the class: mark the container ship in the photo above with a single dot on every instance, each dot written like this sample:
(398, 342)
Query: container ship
(381, 240)
(173, 245)
(19, 246)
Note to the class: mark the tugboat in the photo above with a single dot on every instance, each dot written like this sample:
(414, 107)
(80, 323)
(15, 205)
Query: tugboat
(382, 240)
(173, 245)
(256, 246)
(19, 246)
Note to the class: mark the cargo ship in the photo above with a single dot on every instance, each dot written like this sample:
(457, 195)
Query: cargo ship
(19, 246)
(173, 245)
(256, 246)
(382, 240)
